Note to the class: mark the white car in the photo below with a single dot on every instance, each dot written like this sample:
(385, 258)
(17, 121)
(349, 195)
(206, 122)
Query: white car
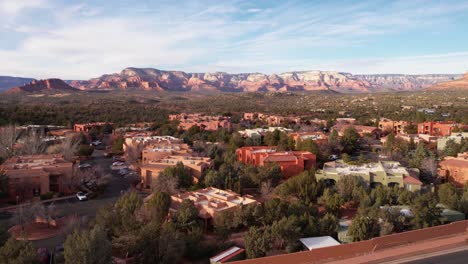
(118, 163)
(82, 196)
(333, 157)
(84, 166)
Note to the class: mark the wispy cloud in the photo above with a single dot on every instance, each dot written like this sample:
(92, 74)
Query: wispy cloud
(84, 40)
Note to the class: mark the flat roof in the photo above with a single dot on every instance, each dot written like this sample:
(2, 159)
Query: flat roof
(226, 253)
(319, 242)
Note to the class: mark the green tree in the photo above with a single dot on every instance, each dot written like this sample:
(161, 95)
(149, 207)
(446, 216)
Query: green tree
(17, 252)
(88, 247)
(425, 211)
(411, 129)
(159, 244)
(332, 201)
(181, 173)
(270, 172)
(363, 227)
(272, 138)
(187, 214)
(448, 195)
(258, 242)
(159, 205)
(85, 150)
(328, 225)
(346, 185)
(213, 178)
(350, 140)
(117, 145)
(304, 187)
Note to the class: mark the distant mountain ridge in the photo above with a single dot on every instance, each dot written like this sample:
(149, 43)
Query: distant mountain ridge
(51, 85)
(7, 82)
(459, 84)
(159, 80)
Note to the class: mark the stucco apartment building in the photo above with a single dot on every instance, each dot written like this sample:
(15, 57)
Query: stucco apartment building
(88, 126)
(318, 137)
(291, 163)
(386, 173)
(152, 168)
(204, 122)
(396, 127)
(455, 169)
(33, 175)
(456, 137)
(271, 120)
(362, 130)
(260, 132)
(437, 128)
(211, 201)
(136, 142)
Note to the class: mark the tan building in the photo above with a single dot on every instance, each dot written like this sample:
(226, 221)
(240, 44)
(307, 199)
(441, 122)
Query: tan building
(204, 122)
(136, 142)
(151, 169)
(211, 201)
(455, 169)
(396, 127)
(386, 173)
(318, 137)
(33, 175)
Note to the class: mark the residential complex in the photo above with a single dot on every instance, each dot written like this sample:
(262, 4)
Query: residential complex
(455, 169)
(396, 127)
(211, 201)
(260, 132)
(291, 163)
(88, 126)
(386, 173)
(271, 120)
(204, 122)
(33, 175)
(456, 137)
(362, 130)
(437, 128)
(152, 168)
(318, 137)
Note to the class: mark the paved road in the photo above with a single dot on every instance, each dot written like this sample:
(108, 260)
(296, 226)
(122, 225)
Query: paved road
(460, 257)
(85, 209)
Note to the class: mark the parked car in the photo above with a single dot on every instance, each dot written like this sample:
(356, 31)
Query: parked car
(82, 196)
(118, 163)
(84, 166)
(96, 143)
(333, 157)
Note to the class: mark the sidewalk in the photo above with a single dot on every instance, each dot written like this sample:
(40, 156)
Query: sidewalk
(13, 207)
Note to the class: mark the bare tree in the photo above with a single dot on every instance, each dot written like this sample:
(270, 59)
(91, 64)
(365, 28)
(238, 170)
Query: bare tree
(95, 175)
(166, 183)
(429, 169)
(69, 147)
(25, 214)
(33, 143)
(8, 137)
(132, 153)
(266, 189)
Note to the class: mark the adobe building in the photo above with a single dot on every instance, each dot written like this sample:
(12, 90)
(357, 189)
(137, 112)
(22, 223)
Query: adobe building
(441, 129)
(152, 169)
(291, 163)
(211, 201)
(157, 151)
(204, 122)
(386, 173)
(85, 128)
(135, 143)
(33, 175)
(455, 169)
(362, 130)
(456, 137)
(318, 137)
(397, 127)
(271, 120)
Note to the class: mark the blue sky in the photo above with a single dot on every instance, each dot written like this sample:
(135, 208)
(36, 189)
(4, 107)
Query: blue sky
(74, 39)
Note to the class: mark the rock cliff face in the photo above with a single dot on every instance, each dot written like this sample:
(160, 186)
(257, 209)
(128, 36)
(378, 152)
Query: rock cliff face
(53, 85)
(157, 80)
(460, 84)
(7, 82)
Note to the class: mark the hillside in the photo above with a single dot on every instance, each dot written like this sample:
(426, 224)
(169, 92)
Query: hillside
(48, 85)
(7, 82)
(158, 80)
(460, 84)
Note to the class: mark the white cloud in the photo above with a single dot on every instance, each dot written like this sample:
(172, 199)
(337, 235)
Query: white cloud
(14, 7)
(83, 41)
